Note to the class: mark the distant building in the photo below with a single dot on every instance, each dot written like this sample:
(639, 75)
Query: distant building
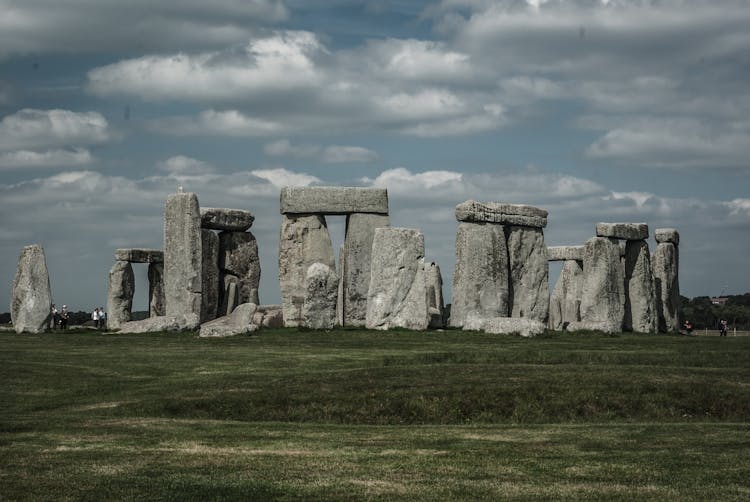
(719, 300)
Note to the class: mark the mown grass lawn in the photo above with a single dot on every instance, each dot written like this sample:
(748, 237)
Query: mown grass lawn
(352, 414)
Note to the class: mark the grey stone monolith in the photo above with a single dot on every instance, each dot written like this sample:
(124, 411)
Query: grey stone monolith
(665, 263)
(603, 298)
(398, 294)
(340, 295)
(321, 295)
(239, 322)
(31, 295)
(234, 220)
(529, 273)
(238, 255)
(480, 276)
(120, 294)
(333, 200)
(156, 289)
(640, 301)
(304, 240)
(183, 261)
(355, 267)
(229, 294)
(565, 302)
(667, 235)
(211, 277)
(435, 302)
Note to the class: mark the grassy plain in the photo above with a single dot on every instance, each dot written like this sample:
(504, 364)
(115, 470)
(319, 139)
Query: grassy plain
(355, 414)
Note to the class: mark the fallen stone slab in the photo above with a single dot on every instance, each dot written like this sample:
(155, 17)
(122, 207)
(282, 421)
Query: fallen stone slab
(529, 273)
(502, 213)
(333, 200)
(234, 220)
(239, 322)
(31, 295)
(504, 325)
(667, 235)
(160, 323)
(269, 316)
(139, 255)
(565, 253)
(627, 231)
(120, 290)
(182, 255)
(321, 297)
(603, 326)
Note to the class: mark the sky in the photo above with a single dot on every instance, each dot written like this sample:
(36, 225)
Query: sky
(595, 110)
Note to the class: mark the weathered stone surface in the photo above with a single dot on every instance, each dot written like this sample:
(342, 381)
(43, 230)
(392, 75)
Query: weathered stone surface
(269, 316)
(502, 213)
(182, 255)
(640, 301)
(321, 295)
(397, 295)
(665, 264)
(627, 231)
(120, 294)
(355, 267)
(480, 277)
(238, 255)
(334, 200)
(603, 298)
(139, 255)
(529, 273)
(239, 322)
(304, 240)
(210, 275)
(603, 326)
(161, 323)
(667, 235)
(155, 289)
(435, 303)
(340, 296)
(234, 220)
(565, 253)
(504, 325)
(31, 296)
(565, 302)
(229, 296)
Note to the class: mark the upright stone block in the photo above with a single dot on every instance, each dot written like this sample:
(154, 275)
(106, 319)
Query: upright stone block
(31, 296)
(529, 273)
(238, 255)
(397, 295)
(640, 301)
(565, 302)
(603, 298)
(480, 277)
(435, 303)
(210, 275)
(665, 264)
(355, 267)
(321, 295)
(120, 294)
(333, 200)
(229, 296)
(304, 240)
(183, 261)
(156, 289)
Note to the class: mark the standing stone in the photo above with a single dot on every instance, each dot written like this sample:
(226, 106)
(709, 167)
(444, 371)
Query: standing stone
(355, 268)
(665, 264)
(238, 255)
(120, 294)
(210, 275)
(321, 295)
(397, 295)
(565, 302)
(529, 273)
(304, 240)
(183, 261)
(340, 296)
(156, 289)
(640, 302)
(435, 303)
(603, 298)
(230, 294)
(31, 296)
(480, 277)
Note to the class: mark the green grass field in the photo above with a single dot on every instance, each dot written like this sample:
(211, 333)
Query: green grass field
(354, 414)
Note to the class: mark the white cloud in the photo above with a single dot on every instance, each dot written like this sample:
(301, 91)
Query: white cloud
(51, 158)
(739, 207)
(182, 165)
(219, 123)
(30, 128)
(333, 154)
(281, 177)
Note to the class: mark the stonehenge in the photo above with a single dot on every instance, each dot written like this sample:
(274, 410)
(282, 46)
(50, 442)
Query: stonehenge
(31, 295)
(665, 263)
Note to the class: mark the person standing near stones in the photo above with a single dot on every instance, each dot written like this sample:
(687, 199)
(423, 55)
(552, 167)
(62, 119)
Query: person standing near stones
(102, 318)
(64, 317)
(53, 316)
(723, 327)
(95, 317)
(688, 327)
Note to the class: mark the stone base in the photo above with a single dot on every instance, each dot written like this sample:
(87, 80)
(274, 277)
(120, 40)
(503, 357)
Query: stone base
(504, 325)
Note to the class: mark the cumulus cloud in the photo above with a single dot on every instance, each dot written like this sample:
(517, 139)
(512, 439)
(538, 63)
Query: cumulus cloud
(280, 177)
(31, 128)
(333, 154)
(182, 165)
(50, 158)
(216, 123)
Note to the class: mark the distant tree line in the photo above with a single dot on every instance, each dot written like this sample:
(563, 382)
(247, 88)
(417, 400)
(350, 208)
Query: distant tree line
(706, 315)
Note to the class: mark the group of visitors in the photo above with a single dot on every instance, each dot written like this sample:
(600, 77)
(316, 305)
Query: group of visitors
(99, 316)
(723, 327)
(59, 319)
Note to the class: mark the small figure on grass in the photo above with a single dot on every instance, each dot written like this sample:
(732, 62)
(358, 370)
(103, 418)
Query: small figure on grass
(723, 327)
(64, 317)
(688, 327)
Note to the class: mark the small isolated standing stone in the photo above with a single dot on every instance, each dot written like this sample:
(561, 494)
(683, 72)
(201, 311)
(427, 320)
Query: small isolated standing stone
(435, 303)
(229, 294)
(665, 264)
(480, 277)
(31, 296)
(529, 273)
(603, 298)
(155, 289)
(120, 294)
(210, 273)
(239, 322)
(640, 301)
(397, 295)
(322, 288)
(565, 302)
(182, 255)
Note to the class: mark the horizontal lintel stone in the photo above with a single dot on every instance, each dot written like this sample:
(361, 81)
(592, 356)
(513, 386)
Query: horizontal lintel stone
(627, 231)
(667, 235)
(233, 220)
(140, 255)
(502, 213)
(333, 200)
(565, 253)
